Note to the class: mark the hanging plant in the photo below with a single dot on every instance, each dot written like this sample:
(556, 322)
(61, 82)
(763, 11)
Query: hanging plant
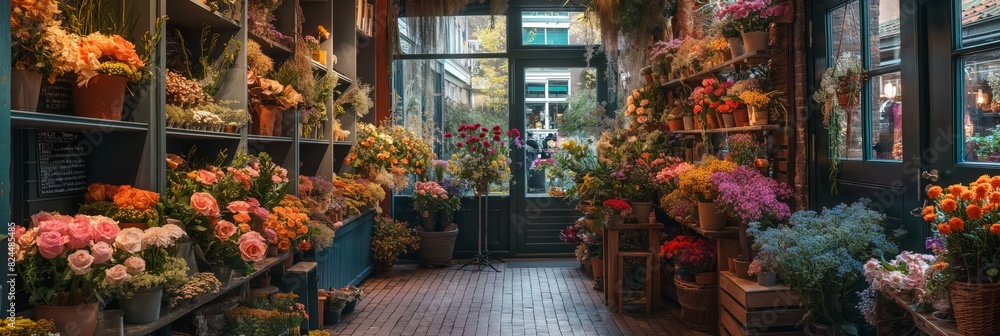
(840, 91)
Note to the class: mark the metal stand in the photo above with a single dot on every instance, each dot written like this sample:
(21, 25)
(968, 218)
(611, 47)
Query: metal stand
(486, 238)
(482, 257)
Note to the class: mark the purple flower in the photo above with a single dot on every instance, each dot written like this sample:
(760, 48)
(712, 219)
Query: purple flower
(752, 197)
(935, 244)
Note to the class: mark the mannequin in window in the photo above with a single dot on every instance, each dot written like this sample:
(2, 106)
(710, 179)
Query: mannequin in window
(889, 117)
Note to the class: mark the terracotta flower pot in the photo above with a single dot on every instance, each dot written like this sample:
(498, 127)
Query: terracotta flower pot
(71, 320)
(754, 41)
(736, 47)
(688, 123)
(279, 123)
(642, 210)
(648, 79)
(742, 117)
(767, 278)
(758, 117)
(710, 217)
(597, 265)
(741, 269)
(102, 98)
(845, 101)
(729, 121)
(262, 122)
(676, 124)
(706, 278)
(25, 86)
(712, 122)
(231, 129)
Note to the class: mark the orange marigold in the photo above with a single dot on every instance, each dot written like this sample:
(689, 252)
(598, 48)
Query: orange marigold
(949, 205)
(944, 230)
(956, 189)
(934, 192)
(968, 195)
(995, 229)
(928, 209)
(304, 246)
(974, 211)
(995, 182)
(995, 197)
(983, 179)
(284, 244)
(956, 224)
(982, 191)
(940, 266)
(930, 217)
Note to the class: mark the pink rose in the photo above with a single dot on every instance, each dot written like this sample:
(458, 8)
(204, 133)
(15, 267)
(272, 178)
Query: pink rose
(54, 225)
(338, 225)
(205, 204)
(116, 275)
(106, 230)
(135, 265)
(130, 240)
(275, 178)
(101, 252)
(253, 202)
(270, 233)
(18, 232)
(51, 243)
(40, 217)
(224, 230)
(80, 261)
(80, 232)
(250, 236)
(261, 213)
(205, 177)
(238, 206)
(252, 249)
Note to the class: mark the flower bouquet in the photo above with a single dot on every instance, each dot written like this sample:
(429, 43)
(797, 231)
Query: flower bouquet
(697, 184)
(619, 209)
(691, 255)
(130, 207)
(750, 197)
(269, 100)
(840, 91)
(754, 18)
(643, 108)
(147, 264)
(967, 219)
(390, 238)
(388, 154)
(482, 154)
(433, 202)
(103, 64)
(662, 56)
(710, 98)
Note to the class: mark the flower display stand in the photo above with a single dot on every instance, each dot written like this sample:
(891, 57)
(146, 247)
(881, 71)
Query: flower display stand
(301, 279)
(613, 279)
(924, 321)
(650, 297)
(747, 308)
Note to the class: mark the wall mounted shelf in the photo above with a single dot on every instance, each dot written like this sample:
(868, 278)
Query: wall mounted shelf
(194, 14)
(49, 121)
(758, 128)
(268, 139)
(751, 58)
(182, 133)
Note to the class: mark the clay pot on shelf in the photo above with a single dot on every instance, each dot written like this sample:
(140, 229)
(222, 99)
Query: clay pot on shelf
(688, 123)
(710, 217)
(642, 210)
(742, 117)
(262, 122)
(706, 278)
(736, 47)
(755, 41)
(70, 320)
(25, 87)
(729, 121)
(102, 98)
(648, 79)
(741, 269)
(676, 124)
(758, 117)
(712, 121)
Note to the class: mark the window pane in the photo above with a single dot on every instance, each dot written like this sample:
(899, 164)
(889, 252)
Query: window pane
(981, 107)
(845, 28)
(472, 34)
(558, 28)
(885, 34)
(979, 24)
(887, 117)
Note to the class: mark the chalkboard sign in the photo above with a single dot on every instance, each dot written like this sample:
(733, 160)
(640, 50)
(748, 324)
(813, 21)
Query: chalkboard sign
(57, 97)
(62, 164)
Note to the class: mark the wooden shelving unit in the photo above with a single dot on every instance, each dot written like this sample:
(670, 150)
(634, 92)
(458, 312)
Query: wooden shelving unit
(49, 121)
(757, 128)
(729, 232)
(748, 59)
(925, 321)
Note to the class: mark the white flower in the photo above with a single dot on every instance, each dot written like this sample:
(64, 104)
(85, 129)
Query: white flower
(174, 231)
(156, 236)
(130, 240)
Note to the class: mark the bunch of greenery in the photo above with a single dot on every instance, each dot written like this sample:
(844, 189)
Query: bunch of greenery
(986, 145)
(390, 238)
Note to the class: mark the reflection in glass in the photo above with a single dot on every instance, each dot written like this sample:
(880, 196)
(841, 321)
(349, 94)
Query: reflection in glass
(980, 115)
(845, 21)
(468, 34)
(557, 28)
(979, 24)
(885, 38)
(567, 110)
(887, 117)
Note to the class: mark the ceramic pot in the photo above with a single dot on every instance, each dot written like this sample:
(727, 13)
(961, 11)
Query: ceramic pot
(736, 47)
(742, 117)
(754, 41)
(617, 219)
(741, 269)
(25, 86)
(710, 217)
(712, 122)
(688, 123)
(140, 226)
(333, 313)
(729, 121)
(642, 210)
(102, 98)
(78, 320)
(350, 306)
(767, 278)
(262, 120)
(143, 307)
(597, 264)
(675, 124)
(706, 278)
(436, 248)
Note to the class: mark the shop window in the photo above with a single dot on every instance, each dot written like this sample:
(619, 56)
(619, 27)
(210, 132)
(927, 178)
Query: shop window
(558, 89)
(978, 20)
(534, 90)
(558, 28)
(887, 117)
(980, 107)
(472, 34)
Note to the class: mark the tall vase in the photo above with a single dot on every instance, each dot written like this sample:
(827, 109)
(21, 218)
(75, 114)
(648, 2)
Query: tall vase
(262, 122)
(25, 86)
(102, 98)
(755, 41)
(736, 47)
(143, 307)
(80, 320)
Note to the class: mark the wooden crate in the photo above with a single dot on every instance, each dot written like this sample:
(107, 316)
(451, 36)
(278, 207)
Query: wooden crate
(750, 309)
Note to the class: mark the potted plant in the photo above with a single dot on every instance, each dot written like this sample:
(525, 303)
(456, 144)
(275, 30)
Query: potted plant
(675, 119)
(662, 56)
(389, 239)
(63, 261)
(130, 207)
(197, 285)
(482, 154)
(730, 30)
(333, 310)
(437, 238)
(763, 267)
(697, 184)
(693, 257)
(355, 295)
(647, 75)
(618, 210)
(268, 100)
(820, 256)
(749, 197)
(965, 217)
(315, 44)
(147, 264)
(754, 18)
(34, 31)
(742, 149)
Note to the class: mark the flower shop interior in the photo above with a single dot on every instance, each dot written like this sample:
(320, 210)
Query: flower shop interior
(501, 167)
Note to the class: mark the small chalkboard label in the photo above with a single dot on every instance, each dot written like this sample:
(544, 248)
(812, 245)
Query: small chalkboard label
(56, 97)
(62, 164)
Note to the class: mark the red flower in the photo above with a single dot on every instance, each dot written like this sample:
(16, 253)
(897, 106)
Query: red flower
(459, 145)
(448, 135)
(462, 134)
(486, 143)
(485, 129)
(476, 126)
(482, 135)
(496, 128)
(496, 138)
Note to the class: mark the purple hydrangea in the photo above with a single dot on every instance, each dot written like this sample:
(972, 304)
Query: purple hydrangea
(751, 196)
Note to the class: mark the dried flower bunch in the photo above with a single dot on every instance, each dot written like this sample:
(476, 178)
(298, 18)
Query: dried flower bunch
(20, 326)
(184, 92)
(198, 284)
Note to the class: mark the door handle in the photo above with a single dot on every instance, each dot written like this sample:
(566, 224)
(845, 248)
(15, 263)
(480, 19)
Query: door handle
(931, 175)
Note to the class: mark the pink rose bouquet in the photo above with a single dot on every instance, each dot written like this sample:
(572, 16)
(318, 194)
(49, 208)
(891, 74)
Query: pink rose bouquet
(752, 15)
(147, 257)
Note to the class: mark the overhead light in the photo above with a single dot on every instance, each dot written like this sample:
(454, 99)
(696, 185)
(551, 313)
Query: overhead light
(890, 90)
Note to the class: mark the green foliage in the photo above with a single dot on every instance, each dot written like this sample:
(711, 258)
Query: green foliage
(986, 145)
(582, 114)
(492, 77)
(390, 238)
(84, 17)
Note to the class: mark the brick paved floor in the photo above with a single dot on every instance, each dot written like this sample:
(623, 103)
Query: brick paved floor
(517, 301)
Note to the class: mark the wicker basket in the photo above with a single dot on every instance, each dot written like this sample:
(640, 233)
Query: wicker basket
(699, 305)
(977, 308)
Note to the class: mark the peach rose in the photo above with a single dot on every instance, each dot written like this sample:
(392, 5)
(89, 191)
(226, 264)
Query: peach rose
(241, 217)
(253, 250)
(205, 204)
(106, 230)
(51, 244)
(129, 240)
(95, 193)
(101, 252)
(135, 265)
(205, 177)
(252, 235)
(116, 275)
(80, 262)
(224, 230)
(26, 244)
(238, 206)
(80, 232)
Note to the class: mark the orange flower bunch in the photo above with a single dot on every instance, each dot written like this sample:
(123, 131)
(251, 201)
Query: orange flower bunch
(109, 55)
(968, 219)
(139, 199)
(290, 226)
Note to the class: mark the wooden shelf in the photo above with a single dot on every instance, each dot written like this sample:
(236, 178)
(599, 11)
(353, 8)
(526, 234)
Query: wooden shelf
(268, 139)
(170, 315)
(751, 58)
(193, 14)
(362, 36)
(181, 133)
(318, 67)
(48, 121)
(343, 143)
(271, 47)
(729, 232)
(927, 323)
(315, 142)
(758, 128)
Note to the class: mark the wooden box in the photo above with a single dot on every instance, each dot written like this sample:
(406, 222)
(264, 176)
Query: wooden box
(750, 309)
